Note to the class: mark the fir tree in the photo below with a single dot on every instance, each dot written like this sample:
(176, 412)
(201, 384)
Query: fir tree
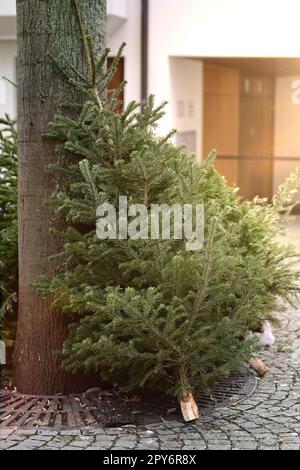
(151, 314)
(8, 233)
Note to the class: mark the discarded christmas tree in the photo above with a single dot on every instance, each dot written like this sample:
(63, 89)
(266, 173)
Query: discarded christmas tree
(151, 314)
(8, 235)
(8, 213)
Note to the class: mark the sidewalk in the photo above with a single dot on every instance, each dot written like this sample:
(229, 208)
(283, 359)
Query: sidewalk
(270, 419)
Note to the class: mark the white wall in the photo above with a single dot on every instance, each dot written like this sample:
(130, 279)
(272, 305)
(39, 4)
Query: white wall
(8, 29)
(117, 8)
(8, 54)
(7, 7)
(286, 131)
(226, 27)
(130, 32)
(116, 15)
(207, 28)
(186, 97)
(190, 29)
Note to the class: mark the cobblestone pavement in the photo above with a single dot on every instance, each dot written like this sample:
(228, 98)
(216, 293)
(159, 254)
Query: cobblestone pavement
(270, 419)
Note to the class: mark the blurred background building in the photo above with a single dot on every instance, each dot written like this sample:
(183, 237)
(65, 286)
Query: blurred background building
(228, 69)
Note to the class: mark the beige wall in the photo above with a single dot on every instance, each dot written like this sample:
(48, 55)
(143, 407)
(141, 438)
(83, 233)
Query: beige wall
(286, 131)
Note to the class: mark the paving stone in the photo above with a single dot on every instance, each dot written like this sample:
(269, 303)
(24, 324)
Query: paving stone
(58, 443)
(146, 444)
(4, 433)
(81, 444)
(6, 445)
(268, 420)
(70, 432)
(71, 448)
(198, 446)
(28, 432)
(104, 438)
(47, 432)
(246, 446)
(128, 445)
(98, 446)
(38, 437)
(20, 447)
(219, 447)
(14, 438)
(290, 447)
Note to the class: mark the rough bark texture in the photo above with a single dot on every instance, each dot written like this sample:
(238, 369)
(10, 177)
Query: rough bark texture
(43, 27)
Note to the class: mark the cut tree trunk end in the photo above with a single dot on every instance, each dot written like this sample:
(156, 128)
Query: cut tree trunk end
(259, 366)
(189, 407)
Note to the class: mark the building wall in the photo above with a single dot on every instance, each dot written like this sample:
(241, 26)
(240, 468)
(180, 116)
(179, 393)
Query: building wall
(208, 28)
(180, 34)
(7, 8)
(187, 97)
(8, 54)
(287, 130)
(226, 28)
(130, 32)
(117, 8)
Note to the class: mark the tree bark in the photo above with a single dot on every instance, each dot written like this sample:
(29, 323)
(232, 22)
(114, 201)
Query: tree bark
(44, 27)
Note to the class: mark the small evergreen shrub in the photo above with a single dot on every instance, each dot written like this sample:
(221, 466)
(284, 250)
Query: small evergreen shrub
(151, 315)
(8, 233)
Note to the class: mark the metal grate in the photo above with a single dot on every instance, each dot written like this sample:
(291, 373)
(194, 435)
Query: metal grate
(238, 386)
(78, 411)
(59, 412)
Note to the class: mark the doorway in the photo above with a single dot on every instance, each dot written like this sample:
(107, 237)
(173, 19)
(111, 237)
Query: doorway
(238, 120)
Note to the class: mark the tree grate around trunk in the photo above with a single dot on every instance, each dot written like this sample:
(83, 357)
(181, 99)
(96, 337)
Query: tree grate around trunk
(110, 408)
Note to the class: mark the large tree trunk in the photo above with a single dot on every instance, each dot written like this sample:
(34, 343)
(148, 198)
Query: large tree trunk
(44, 28)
